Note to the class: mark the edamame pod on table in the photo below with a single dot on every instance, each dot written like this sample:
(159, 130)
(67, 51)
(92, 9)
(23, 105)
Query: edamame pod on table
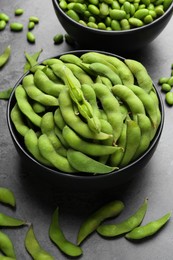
(3, 257)
(5, 56)
(112, 230)
(149, 229)
(140, 73)
(57, 236)
(7, 196)
(6, 246)
(34, 248)
(9, 221)
(109, 210)
(84, 163)
(5, 94)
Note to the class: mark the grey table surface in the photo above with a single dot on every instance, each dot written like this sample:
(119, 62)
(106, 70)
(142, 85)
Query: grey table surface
(37, 199)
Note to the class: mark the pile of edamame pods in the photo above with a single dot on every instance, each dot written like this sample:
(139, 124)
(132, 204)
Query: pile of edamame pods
(114, 15)
(91, 114)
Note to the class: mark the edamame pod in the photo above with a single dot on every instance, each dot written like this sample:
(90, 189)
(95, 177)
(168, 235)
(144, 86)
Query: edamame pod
(84, 163)
(31, 143)
(34, 248)
(25, 106)
(57, 236)
(141, 74)
(18, 120)
(4, 57)
(132, 142)
(7, 196)
(110, 209)
(43, 82)
(9, 221)
(80, 74)
(5, 94)
(48, 152)
(112, 230)
(6, 246)
(149, 229)
(79, 144)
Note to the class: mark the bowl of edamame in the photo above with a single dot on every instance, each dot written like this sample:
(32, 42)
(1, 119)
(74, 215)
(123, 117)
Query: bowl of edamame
(115, 26)
(88, 119)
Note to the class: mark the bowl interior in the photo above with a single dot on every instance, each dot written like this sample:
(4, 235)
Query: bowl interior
(120, 176)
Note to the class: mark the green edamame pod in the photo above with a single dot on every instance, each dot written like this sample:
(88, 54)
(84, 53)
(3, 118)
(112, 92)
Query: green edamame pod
(42, 81)
(34, 248)
(111, 107)
(103, 70)
(141, 74)
(36, 94)
(149, 229)
(80, 74)
(79, 144)
(31, 143)
(4, 57)
(6, 246)
(84, 163)
(129, 97)
(110, 209)
(132, 142)
(74, 120)
(57, 236)
(7, 196)
(9, 221)
(70, 58)
(58, 118)
(18, 120)
(25, 106)
(112, 230)
(3, 257)
(49, 153)
(5, 94)
(31, 60)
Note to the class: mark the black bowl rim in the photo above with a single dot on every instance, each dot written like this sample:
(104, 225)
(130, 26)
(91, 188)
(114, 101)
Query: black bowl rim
(124, 32)
(83, 176)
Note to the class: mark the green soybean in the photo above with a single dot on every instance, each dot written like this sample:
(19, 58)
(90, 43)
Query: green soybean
(19, 11)
(166, 87)
(25, 107)
(34, 248)
(58, 38)
(9, 221)
(4, 17)
(2, 25)
(34, 19)
(112, 230)
(6, 246)
(4, 57)
(31, 143)
(81, 145)
(7, 196)
(149, 229)
(57, 236)
(110, 209)
(49, 153)
(84, 163)
(16, 27)
(169, 98)
(30, 37)
(31, 25)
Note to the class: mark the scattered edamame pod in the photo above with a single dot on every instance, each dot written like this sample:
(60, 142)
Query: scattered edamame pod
(4, 57)
(34, 248)
(7, 196)
(6, 246)
(111, 209)
(5, 94)
(9, 221)
(149, 229)
(57, 236)
(112, 230)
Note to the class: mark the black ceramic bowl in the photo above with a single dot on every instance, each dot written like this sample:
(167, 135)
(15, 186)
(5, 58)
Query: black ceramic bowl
(82, 181)
(113, 41)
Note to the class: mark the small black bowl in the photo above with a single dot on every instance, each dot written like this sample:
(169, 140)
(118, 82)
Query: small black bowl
(81, 181)
(113, 41)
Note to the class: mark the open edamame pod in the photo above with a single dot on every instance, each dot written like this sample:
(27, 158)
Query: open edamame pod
(58, 237)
